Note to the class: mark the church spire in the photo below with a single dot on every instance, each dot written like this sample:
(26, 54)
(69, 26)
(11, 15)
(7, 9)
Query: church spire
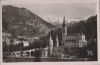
(64, 28)
(64, 21)
(50, 45)
(57, 41)
(51, 42)
(64, 31)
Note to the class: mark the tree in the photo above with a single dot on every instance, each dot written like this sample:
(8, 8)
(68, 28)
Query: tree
(37, 55)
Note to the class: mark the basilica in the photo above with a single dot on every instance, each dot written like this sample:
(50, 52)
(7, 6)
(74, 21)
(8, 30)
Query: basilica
(69, 45)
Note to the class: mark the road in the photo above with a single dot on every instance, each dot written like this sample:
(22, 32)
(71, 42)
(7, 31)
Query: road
(14, 59)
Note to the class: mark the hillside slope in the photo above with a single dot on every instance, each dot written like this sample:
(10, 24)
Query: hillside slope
(21, 21)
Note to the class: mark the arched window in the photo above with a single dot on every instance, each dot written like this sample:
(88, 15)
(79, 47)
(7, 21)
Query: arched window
(32, 53)
(13, 54)
(27, 54)
(22, 53)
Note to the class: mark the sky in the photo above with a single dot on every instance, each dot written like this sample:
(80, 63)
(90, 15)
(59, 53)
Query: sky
(55, 10)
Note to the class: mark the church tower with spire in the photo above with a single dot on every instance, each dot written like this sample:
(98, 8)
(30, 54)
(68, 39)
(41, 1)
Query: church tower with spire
(64, 31)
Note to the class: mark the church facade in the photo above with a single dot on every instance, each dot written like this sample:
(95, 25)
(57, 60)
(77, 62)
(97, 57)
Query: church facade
(70, 43)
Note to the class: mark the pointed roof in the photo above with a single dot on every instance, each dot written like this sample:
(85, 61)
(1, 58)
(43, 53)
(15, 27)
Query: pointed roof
(57, 41)
(50, 41)
(63, 21)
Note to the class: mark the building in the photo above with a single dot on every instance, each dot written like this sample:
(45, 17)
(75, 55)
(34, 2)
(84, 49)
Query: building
(70, 44)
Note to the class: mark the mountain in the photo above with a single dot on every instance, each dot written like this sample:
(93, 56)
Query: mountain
(21, 21)
(88, 27)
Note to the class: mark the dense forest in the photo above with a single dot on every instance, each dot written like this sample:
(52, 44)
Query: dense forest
(87, 27)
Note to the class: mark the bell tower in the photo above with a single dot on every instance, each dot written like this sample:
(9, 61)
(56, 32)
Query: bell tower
(64, 31)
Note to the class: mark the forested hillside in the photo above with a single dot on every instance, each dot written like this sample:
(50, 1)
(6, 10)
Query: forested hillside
(21, 21)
